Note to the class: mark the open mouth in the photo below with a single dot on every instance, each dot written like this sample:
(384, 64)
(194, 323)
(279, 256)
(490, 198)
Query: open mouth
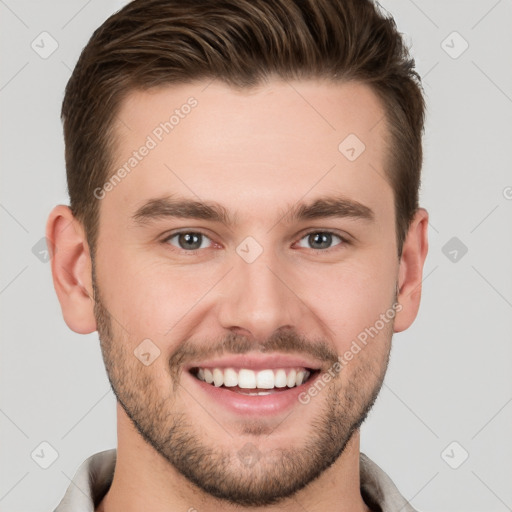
(254, 382)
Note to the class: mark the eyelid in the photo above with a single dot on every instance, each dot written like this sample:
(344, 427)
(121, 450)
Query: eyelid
(167, 237)
(345, 240)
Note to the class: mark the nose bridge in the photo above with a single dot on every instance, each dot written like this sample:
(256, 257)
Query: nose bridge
(256, 298)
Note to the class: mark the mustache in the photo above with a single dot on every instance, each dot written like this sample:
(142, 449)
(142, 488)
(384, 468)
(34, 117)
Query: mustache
(285, 341)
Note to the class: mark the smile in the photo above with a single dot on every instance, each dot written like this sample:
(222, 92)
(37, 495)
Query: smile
(253, 384)
(247, 381)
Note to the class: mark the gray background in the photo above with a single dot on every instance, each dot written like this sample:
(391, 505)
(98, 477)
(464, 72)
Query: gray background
(450, 374)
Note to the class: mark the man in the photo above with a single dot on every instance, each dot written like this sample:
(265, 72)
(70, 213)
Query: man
(244, 233)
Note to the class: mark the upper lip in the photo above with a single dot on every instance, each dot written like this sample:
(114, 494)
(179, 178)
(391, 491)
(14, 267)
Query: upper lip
(257, 362)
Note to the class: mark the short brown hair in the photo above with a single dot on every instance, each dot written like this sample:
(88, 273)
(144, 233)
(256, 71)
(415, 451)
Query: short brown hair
(240, 42)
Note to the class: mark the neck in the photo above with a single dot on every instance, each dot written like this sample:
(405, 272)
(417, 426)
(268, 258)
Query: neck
(143, 479)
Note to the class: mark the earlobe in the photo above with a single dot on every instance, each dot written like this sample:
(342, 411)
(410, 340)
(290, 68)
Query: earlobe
(71, 269)
(410, 272)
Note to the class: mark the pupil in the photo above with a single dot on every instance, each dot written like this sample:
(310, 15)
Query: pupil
(321, 240)
(190, 240)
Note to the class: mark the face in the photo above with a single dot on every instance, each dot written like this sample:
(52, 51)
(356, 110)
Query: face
(247, 246)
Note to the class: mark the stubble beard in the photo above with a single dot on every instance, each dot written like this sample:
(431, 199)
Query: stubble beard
(224, 472)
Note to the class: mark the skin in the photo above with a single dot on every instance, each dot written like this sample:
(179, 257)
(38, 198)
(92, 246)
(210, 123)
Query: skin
(256, 152)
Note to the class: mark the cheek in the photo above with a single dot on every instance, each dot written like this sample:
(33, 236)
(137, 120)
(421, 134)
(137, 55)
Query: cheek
(350, 299)
(150, 297)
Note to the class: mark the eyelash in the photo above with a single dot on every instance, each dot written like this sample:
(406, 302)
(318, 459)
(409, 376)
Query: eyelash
(344, 241)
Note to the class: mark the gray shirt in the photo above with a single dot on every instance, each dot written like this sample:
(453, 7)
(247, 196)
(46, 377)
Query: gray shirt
(94, 476)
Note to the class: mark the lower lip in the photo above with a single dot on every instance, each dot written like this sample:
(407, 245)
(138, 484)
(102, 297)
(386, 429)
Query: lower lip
(257, 405)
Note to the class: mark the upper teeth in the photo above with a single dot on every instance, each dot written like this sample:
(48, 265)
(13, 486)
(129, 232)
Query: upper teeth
(249, 379)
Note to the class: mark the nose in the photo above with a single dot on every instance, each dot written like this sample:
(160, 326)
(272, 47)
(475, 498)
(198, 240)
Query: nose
(257, 298)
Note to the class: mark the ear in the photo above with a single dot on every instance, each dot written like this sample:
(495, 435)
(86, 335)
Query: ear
(410, 273)
(71, 269)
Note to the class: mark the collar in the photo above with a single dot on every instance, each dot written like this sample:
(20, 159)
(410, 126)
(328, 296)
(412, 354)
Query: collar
(94, 477)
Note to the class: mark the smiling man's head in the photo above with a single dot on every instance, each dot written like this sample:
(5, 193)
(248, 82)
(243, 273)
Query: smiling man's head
(245, 233)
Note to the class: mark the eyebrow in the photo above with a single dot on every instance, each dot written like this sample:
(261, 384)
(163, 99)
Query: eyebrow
(323, 207)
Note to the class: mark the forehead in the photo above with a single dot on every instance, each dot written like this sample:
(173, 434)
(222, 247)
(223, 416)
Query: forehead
(252, 148)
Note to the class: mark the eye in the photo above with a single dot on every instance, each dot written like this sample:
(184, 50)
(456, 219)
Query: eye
(188, 240)
(320, 240)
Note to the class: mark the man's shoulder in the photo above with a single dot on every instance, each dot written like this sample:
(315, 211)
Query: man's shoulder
(378, 490)
(94, 477)
(90, 483)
